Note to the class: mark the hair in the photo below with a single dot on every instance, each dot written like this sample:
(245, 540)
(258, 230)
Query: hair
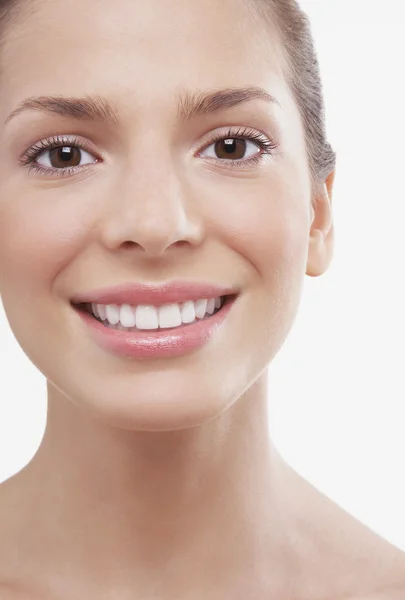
(302, 73)
(300, 66)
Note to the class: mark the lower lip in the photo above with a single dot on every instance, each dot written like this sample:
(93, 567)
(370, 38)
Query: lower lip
(159, 343)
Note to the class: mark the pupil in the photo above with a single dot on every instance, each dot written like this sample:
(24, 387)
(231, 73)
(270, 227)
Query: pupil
(62, 155)
(66, 153)
(229, 146)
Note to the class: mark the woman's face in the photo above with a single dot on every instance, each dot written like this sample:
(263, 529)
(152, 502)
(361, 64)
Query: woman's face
(152, 198)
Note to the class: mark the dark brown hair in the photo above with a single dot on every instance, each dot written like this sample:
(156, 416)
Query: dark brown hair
(302, 73)
(301, 70)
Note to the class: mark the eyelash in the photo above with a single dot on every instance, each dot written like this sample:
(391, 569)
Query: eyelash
(28, 159)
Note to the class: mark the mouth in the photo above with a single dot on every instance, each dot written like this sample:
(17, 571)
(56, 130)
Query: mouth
(154, 318)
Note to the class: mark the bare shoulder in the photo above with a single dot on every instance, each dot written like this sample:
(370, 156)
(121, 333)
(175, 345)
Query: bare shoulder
(343, 558)
(6, 587)
(333, 555)
(369, 565)
(9, 542)
(366, 566)
(393, 594)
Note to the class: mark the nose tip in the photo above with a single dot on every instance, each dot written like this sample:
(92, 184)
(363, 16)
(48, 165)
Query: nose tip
(152, 217)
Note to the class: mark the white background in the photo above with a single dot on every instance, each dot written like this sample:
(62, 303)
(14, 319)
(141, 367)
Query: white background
(336, 388)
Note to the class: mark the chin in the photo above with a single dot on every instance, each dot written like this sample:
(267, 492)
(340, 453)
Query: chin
(152, 408)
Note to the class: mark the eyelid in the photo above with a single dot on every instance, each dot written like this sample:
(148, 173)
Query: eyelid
(90, 147)
(45, 143)
(267, 145)
(222, 132)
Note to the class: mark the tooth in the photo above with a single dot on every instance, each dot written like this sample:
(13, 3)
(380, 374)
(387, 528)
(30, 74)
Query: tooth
(146, 317)
(200, 308)
(211, 305)
(151, 317)
(169, 315)
(113, 313)
(188, 312)
(101, 311)
(127, 316)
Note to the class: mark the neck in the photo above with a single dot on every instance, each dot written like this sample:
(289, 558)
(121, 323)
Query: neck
(156, 509)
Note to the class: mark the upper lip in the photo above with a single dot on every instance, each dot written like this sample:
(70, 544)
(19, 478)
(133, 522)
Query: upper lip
(156, 294)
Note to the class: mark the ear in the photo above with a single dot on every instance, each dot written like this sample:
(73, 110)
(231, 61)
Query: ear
(321, 239)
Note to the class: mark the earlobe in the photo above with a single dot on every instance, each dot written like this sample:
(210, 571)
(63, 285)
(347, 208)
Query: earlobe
(321, 238)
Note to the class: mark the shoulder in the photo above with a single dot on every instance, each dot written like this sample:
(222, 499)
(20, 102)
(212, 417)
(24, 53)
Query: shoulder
(393, 594)
(10, 538)
(370, 566)
(345, 559)
(367, 568)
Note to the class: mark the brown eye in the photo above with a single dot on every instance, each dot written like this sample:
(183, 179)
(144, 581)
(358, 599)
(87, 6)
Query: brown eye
(65, 156)
(230, 148)
(234, 149)
(60, 157)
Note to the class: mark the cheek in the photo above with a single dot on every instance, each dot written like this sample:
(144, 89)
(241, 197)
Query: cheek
(269, 235)
(39, 234)
(268, 229)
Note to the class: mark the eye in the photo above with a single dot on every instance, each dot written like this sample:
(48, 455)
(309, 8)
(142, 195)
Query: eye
(58, 156)
(61, 156)
(231, 148)
(64, 156)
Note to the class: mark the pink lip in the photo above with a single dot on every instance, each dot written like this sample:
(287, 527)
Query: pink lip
(158, 343)
(134, 294)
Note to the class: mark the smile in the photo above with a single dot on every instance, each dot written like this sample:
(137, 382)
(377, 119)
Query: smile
(148, 317)
(174, 338)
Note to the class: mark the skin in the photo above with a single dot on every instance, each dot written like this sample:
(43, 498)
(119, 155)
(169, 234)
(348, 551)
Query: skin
(157, 478)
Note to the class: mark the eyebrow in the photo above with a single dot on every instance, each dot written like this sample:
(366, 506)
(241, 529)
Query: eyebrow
(196, 104)
(98, 108)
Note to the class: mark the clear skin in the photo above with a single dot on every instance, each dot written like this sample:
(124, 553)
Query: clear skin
(159, 476)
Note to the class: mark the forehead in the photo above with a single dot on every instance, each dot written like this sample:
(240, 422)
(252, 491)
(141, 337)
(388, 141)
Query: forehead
(71, 46)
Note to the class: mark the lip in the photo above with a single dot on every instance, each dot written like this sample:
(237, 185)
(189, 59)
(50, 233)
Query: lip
(160, 343)
(156, 294)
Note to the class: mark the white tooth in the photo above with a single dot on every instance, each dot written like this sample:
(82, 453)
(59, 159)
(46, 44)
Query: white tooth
(200, 308)
(169, 315)
(94, 309)
(102, 311)
(127, 316)
(188, 312)
(211, 306)
(112, 313)
(218, 302)
(146, 317)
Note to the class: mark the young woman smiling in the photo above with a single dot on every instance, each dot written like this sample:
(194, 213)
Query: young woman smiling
(165, 186)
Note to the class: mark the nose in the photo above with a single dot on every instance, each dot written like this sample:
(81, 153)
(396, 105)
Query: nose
(151, 216)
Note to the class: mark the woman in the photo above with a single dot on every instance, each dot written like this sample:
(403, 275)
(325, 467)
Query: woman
(174, 153)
